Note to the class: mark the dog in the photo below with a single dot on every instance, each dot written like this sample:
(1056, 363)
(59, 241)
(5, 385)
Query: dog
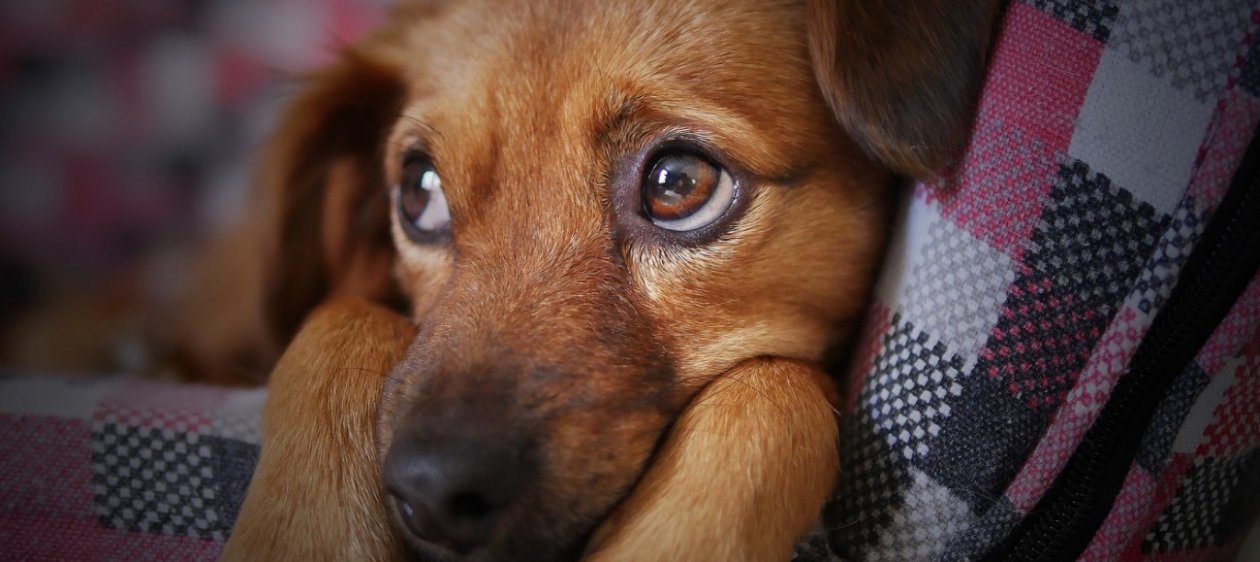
(627, 237)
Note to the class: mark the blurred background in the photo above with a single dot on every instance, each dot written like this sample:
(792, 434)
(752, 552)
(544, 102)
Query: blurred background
(127, 126)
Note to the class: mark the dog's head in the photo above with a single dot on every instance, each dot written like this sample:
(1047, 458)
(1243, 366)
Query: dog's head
(592, 209)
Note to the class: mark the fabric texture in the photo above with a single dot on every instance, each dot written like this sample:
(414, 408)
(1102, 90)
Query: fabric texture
(129, 124)
(1014, 296)
(122, 469)
(1018, 290)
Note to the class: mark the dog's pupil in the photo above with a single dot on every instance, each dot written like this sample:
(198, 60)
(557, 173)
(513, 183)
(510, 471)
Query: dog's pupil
(413, 196)
(414, 200)
(677, 185)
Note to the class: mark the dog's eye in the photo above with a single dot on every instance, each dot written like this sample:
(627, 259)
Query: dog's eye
(421, 203)
(683, 191)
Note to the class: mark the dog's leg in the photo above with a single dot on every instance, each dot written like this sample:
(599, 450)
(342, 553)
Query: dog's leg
(315, 494)
(741, 476)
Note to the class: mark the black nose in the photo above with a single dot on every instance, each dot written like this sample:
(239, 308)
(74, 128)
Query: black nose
(451, 492)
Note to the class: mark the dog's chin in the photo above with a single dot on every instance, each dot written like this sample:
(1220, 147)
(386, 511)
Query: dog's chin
(521, 549)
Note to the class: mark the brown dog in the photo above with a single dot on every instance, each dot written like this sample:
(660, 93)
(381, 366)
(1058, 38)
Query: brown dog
(629, 234)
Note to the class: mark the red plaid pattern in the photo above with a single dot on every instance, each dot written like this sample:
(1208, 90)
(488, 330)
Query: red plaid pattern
(1020, 289)
(122, 469)
(125, 121)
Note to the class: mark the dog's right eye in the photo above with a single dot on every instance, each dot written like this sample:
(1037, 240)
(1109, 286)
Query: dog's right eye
(421, 203)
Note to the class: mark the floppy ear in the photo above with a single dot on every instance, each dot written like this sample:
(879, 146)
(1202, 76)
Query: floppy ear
(327, 206)
(902, 76)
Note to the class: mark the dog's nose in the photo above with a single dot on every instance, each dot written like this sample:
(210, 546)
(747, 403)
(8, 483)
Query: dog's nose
(450, 492)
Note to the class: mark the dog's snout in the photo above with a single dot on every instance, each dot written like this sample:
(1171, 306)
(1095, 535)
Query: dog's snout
(451, 492)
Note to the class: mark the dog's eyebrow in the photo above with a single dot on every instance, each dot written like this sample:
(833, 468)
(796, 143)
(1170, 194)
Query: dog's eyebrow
(630, 119)
(416, 127)
(617, 120)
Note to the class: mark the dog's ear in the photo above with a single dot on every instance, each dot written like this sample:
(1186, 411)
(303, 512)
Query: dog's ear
(902, 76)
(327, 205)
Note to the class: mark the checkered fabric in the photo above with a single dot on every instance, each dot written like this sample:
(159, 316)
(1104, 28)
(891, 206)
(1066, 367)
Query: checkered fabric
(125, 121)
(1014, 296)
(1017, 291)
(127, 469)
(122, 469)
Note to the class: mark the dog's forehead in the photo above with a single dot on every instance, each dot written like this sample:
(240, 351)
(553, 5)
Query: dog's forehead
(607, 31)
(505, 89)
(524, 66)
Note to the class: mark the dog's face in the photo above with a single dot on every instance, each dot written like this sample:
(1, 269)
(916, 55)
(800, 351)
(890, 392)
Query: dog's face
(594, 209)
(593, 218)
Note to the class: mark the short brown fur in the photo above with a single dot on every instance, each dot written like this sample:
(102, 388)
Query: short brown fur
(327, 507)
(728, 449)
(671, 387)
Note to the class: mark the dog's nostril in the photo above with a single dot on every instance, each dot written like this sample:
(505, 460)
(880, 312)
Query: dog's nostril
(469, 506)
(452, 492)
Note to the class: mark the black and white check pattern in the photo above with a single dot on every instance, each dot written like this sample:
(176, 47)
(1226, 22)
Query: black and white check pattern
(1188, 43)
(1205, 507)
(957, 288)
(155, 480)
(1094, 18)
(912, 380)
(871, 492)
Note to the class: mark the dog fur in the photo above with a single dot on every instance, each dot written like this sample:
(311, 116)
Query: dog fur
(316, 493)
(674, 386)
(328, 507)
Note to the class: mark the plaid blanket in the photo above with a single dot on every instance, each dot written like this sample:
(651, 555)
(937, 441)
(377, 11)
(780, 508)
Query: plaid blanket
(122, 469)
(128, 124)
(1014, 300)
(1017, 293)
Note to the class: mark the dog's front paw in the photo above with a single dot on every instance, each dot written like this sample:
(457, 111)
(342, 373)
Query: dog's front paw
(742, 476)
(315, 494)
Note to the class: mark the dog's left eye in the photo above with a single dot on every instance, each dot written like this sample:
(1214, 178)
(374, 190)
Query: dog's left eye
(420, 200)
(683, 191)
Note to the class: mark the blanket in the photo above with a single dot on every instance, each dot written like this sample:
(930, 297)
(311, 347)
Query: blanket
(1018, 291)
(122, 468)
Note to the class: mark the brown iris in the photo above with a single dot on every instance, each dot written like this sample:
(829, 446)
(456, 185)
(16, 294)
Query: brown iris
(413, 198)
(422, 207)
(678, 185)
